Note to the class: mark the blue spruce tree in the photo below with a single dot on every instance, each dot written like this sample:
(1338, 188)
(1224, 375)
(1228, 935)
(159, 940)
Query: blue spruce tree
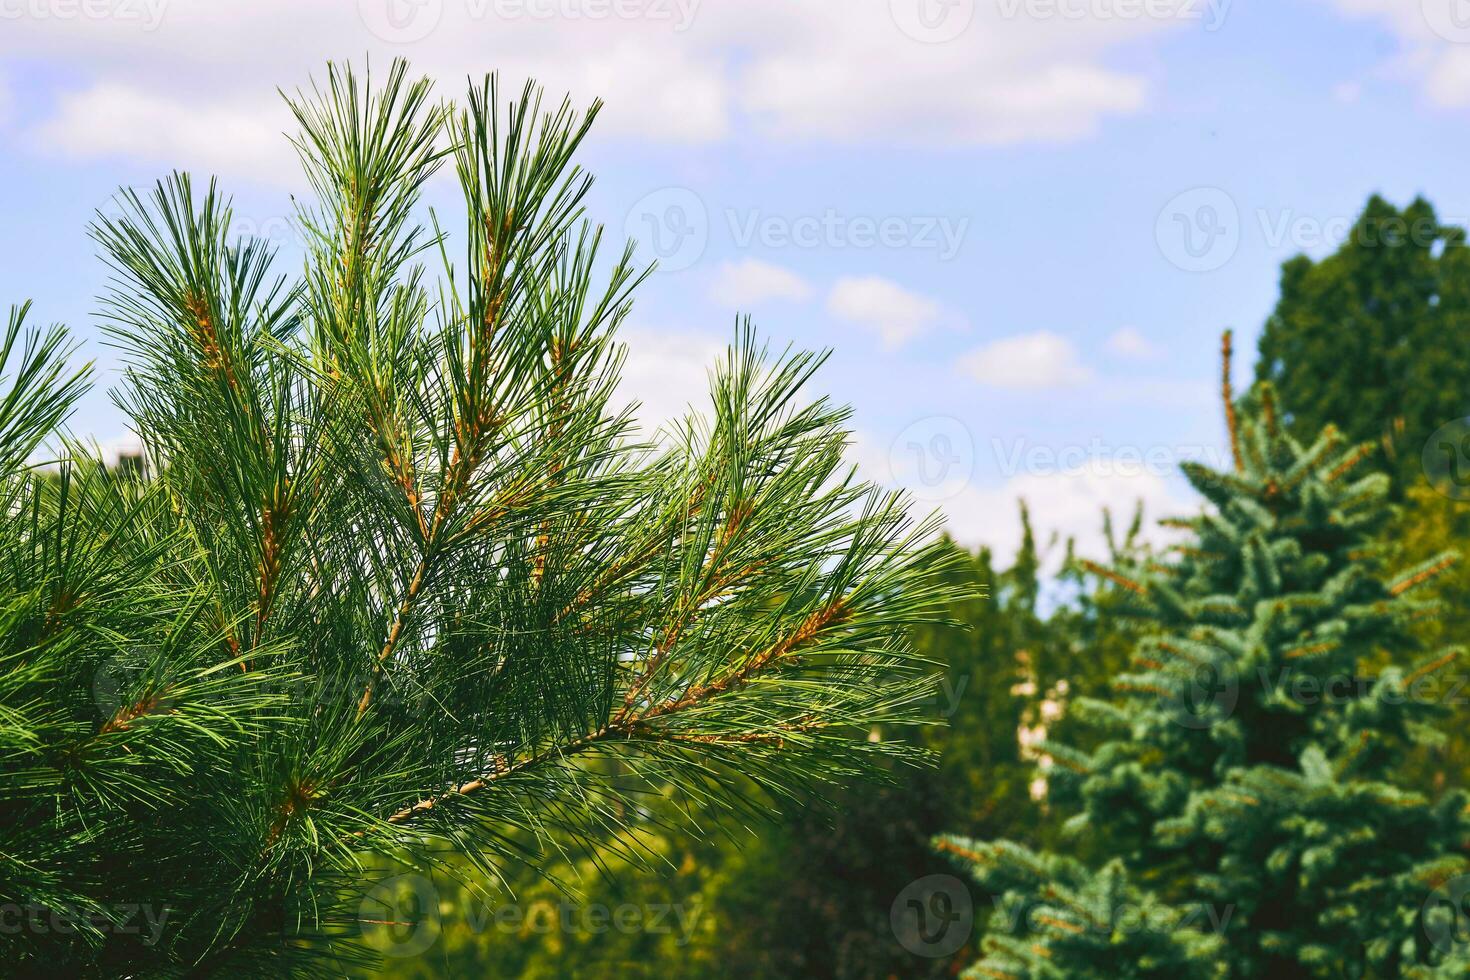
(1241, 799)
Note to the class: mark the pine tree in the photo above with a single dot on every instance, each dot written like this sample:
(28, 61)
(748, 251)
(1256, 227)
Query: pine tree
(401, 577)
(1244, 795)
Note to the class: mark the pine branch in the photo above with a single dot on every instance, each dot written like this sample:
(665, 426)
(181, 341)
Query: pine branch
(401, 568)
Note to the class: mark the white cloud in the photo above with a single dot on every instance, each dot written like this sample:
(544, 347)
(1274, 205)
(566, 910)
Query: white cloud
(1130, 342)
(113, 119)
(1435, 43)
(1447, 82)
(886, 70)
(667, 372)
(1065, 500)
(750, 282)
(190, 72)
(217, 66)
(1034, 360)
(1067, 503)
(884, 307)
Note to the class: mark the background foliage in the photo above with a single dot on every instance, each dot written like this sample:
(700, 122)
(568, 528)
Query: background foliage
(1361, 338)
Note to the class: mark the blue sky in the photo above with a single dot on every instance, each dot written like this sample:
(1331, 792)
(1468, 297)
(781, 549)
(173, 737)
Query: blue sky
(1020, 224)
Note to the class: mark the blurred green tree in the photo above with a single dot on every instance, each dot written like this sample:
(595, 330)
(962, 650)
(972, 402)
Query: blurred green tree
(1428, 523)
(1372, 337)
